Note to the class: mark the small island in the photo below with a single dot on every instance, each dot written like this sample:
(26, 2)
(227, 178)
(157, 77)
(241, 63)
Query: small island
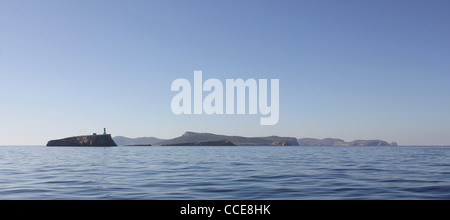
(94, 140)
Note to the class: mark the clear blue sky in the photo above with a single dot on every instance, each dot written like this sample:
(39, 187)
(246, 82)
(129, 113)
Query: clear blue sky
(348, 69)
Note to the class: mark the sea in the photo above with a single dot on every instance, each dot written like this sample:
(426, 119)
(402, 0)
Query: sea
(224, 173)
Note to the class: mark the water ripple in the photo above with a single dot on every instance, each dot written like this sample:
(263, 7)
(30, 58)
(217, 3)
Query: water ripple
(225, 173)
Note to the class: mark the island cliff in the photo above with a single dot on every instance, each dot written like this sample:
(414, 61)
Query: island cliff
(104, 140)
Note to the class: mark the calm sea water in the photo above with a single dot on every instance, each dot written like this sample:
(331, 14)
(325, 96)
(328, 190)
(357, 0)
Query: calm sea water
(225, 173)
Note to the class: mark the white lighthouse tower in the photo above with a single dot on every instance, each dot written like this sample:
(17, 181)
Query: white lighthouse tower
(104, 131)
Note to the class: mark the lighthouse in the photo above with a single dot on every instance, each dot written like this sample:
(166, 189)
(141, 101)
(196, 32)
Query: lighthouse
(104, 131)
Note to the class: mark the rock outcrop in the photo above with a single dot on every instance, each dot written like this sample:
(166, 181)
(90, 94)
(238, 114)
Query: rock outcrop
(104, 140)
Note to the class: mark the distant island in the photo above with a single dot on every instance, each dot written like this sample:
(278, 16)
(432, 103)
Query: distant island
(204, 143)
(193, 137)
(94, 140)
(339, 142)
(208, 139)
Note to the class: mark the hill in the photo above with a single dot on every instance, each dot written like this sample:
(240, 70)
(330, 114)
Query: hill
(192, 137)
(205, 143)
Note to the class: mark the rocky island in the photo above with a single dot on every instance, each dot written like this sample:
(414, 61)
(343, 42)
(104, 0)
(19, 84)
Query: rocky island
(94, 140)
(208, 139)
(204, 143)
